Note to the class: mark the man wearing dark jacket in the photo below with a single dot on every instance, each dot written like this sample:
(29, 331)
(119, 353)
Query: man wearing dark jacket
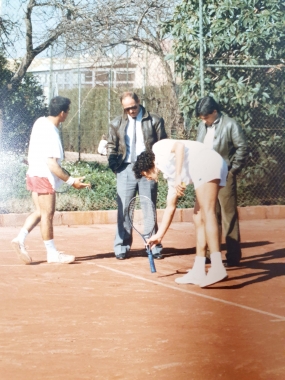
(225, 136)
(129, 135)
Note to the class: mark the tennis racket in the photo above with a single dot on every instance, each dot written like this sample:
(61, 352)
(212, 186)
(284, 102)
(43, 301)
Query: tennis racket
(64, 187)
(142, 216)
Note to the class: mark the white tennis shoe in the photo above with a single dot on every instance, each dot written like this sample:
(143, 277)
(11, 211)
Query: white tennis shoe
(21, 251)
(60, 258)
(191, 278)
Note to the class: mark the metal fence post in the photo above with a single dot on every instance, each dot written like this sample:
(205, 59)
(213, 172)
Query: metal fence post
(50, 74)
(109, 95)
(79, 109)
(201, 47)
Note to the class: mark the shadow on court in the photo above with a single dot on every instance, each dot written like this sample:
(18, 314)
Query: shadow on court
(262, 269)
(105, 319)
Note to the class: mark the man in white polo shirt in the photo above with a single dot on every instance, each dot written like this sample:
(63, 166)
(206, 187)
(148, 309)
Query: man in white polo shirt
(43, 178)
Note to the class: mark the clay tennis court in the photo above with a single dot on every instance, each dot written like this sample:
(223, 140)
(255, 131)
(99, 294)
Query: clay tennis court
(102, 318)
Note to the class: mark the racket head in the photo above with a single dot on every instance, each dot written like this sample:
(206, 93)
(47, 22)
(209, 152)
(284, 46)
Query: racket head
(142, 215)
(63, 187)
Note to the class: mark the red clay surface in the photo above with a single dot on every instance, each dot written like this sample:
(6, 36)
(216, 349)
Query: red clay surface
(101, 318)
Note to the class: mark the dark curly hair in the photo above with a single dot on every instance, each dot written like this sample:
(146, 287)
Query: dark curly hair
(207, 105)
(145, 162)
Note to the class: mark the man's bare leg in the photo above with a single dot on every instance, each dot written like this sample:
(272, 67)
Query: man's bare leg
(47, 208)
(197, 274)
(19, 242)
(207, 197)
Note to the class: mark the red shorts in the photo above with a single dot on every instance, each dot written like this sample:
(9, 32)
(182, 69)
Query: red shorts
(40, 185)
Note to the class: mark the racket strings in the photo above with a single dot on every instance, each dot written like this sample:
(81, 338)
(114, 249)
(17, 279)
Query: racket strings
(142, 215)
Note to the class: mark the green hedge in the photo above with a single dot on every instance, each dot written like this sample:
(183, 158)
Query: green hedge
(15, 198)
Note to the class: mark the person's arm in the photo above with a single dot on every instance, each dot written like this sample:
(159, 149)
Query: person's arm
(55, 168)
(178, 149)
(159, 127)
(165, 223)
(113, 144)
(240, 144)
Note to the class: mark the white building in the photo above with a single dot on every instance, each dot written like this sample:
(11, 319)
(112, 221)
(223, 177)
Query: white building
(138, 71)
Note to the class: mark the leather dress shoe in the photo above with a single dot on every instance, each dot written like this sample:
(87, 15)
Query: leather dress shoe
(121, 256)
(229, 264)
(208, 260)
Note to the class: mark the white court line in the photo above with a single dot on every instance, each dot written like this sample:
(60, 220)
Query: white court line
(279, 317)
(13, 265)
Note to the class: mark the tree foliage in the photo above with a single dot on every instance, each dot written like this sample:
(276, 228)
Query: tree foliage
(247, 33)
(92, 28)
(19, 109)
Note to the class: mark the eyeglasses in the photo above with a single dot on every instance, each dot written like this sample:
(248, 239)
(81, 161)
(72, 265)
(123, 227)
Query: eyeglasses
(133, 108)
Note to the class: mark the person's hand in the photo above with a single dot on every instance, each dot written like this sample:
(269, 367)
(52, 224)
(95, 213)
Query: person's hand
(179, 186)
(79, 184)
(153, 241)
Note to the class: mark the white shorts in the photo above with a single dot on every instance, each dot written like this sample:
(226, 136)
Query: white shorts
(207, 166)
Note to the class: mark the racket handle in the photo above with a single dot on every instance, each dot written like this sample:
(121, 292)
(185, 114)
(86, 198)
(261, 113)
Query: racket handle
(151, 261)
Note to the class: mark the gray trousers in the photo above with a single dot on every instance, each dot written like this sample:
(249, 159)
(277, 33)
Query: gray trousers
(227, 216)
(127, 188)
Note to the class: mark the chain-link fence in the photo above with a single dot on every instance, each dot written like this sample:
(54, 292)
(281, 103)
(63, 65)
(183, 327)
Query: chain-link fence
(262, 180)
(255, 97)
(94, 87)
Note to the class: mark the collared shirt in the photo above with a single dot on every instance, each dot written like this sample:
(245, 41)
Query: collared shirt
(44, 143)
(140, 146)
(210, 135)
(165, 161)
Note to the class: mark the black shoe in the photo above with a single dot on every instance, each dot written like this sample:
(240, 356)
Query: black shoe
(229, 264)
(157, 256)
(121, 256)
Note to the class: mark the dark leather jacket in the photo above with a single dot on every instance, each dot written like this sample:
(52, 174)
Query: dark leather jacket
(229, 142)
(152, 128)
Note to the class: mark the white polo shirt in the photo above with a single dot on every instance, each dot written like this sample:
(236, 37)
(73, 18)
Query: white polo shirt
(44, 143)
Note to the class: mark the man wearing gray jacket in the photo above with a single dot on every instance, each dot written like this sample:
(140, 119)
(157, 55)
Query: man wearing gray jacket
(225, 136)
(129, 135)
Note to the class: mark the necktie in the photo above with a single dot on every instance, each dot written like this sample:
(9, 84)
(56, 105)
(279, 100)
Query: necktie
(133, 149)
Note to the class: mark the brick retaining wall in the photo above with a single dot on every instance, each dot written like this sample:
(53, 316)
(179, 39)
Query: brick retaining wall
(109, 217)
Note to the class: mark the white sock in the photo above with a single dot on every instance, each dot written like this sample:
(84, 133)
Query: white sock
(50, 247)
(22, 235)
(199, 265)
(216, 259)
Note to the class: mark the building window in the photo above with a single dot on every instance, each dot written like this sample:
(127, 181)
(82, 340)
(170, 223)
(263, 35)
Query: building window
(88, 76)
(124, 76)
(102, 77)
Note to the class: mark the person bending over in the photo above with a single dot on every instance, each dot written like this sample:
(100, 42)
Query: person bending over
(183, 162)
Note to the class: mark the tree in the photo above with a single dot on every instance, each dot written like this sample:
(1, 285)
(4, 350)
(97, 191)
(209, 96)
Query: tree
(28, 99)
(66, 23)
(93, 27)
(245, 33)
(139, 29)
(86, 26)
(142, 31)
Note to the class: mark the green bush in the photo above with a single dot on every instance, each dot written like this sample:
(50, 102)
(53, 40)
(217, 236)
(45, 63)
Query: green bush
(19, 108)
(103, 196)
(243, 55)
(12, 181)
